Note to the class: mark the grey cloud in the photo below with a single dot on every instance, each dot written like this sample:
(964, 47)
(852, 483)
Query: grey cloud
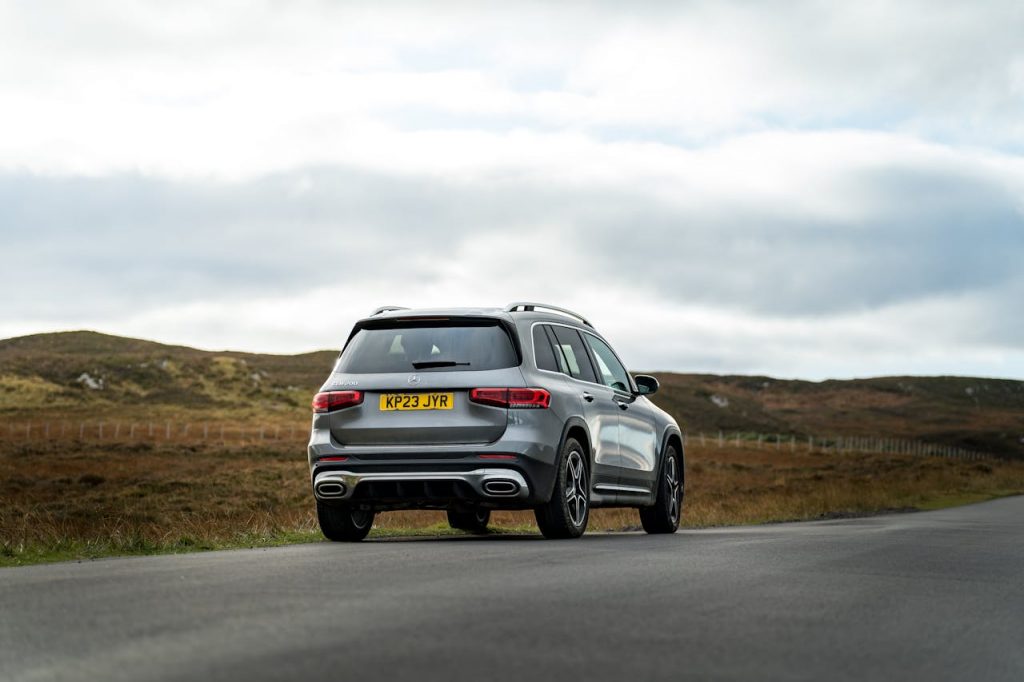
(992, 317)
(932, 234)
(100, 245)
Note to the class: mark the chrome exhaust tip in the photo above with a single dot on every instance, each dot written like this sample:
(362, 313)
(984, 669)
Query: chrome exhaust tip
(330, 489)
(501, 487)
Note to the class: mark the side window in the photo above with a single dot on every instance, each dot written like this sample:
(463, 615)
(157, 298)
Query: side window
(563, 366)
(612, 372)
(542, 351)
(572, 354)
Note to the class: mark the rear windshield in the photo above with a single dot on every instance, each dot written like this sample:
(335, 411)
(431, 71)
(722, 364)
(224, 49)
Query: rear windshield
(423, 347)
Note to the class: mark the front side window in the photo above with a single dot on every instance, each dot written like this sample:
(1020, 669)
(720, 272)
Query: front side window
(418, 347)
(572, 354)
(612, 372)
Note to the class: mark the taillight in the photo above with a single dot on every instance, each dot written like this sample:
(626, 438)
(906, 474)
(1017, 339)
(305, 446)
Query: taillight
(329, 401)
(516, 398)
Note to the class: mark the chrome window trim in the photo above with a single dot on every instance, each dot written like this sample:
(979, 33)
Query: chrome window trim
(533, 350)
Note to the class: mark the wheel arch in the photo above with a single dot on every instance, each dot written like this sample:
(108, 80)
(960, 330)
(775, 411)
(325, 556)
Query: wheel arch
(673, 437)
(576, 427)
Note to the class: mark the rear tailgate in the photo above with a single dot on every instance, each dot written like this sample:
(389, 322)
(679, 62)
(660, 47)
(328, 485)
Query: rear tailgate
(450, 419)
(404, 364)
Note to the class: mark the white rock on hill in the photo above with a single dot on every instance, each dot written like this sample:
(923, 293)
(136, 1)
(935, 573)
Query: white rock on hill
(89, 382)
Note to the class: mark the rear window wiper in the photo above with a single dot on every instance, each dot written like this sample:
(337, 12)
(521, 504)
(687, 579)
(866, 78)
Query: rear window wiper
(427, 364)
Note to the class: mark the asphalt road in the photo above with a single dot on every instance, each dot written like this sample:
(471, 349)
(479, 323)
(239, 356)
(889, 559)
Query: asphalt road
(936, 595)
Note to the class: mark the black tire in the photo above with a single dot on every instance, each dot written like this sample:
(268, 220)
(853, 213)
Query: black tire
(474, 521)
(664, 515)
(341, 523)
(567, 512)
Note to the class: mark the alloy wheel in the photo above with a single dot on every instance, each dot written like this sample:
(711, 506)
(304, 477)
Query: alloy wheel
(576, 488)
(672, 481)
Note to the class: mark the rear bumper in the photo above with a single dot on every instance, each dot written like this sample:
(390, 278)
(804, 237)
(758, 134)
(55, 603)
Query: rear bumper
(434, 480)
(500, 486)
(388, 477)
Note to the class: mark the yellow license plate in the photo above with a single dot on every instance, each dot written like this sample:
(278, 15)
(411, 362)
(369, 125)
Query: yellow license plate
(416, 401)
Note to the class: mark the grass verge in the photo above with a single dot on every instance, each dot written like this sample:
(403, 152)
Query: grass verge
(123, 500)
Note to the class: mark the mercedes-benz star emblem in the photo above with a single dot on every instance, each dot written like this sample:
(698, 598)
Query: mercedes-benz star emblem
(414, 379)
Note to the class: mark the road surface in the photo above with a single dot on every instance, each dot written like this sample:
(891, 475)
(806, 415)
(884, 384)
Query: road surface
(936, 595)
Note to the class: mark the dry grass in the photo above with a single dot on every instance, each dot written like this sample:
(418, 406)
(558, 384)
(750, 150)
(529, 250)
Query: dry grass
(152, 497)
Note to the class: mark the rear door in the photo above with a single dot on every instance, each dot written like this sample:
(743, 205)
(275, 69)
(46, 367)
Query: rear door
(599, 407)
(416, 374)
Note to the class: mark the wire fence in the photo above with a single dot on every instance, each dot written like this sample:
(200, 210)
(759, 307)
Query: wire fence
(835, 443)
(162, 431)
(186, 432)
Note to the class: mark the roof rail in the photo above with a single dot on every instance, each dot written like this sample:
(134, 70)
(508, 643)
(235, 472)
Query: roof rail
(527, 305)
(386, 309)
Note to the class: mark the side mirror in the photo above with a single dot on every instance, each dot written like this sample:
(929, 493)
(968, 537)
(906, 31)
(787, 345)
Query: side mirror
(646, 385)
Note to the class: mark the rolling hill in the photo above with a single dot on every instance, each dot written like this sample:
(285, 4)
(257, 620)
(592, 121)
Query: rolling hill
(84, 374)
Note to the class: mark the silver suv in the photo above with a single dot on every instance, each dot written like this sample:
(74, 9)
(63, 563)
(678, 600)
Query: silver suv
(469, 410)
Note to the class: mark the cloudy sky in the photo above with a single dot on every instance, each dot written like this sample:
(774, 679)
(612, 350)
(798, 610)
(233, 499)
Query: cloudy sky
(804, 189)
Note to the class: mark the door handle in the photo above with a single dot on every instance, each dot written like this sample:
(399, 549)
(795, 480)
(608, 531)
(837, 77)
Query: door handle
(622, 405)
(588, 397)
